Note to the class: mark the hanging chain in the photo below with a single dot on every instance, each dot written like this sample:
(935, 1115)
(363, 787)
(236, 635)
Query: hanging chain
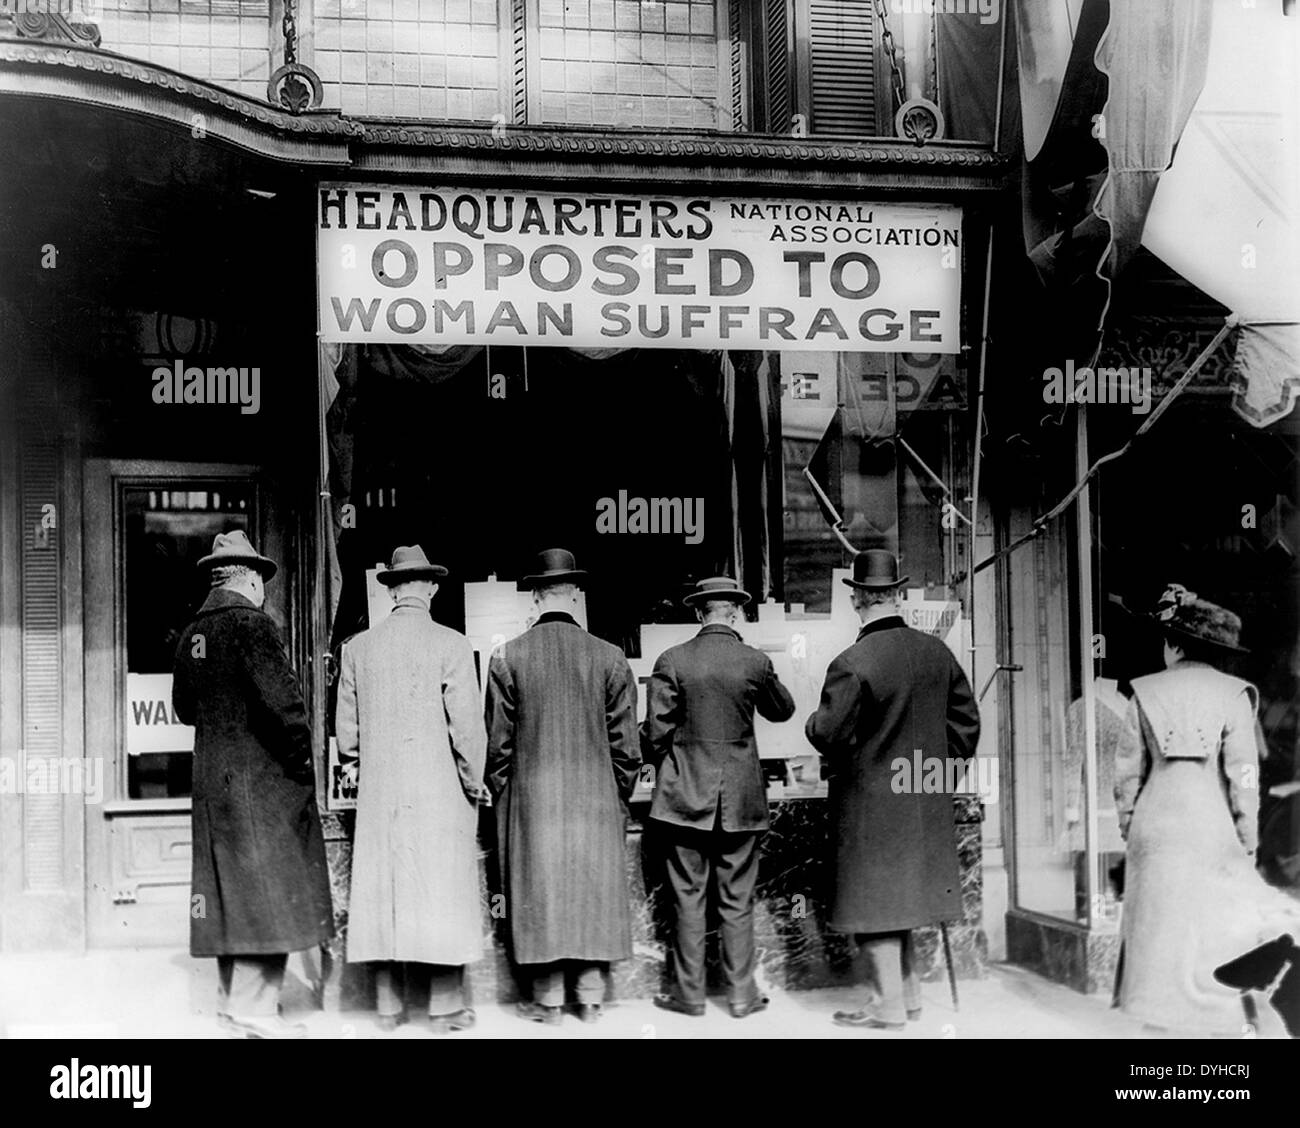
(934, 55)
(891, 50)
(290, 29)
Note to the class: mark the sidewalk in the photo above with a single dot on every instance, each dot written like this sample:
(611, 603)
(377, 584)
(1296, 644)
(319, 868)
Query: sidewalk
(163, 992)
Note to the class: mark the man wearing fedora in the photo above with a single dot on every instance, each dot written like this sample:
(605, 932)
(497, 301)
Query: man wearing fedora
(563, 759)
(260, 885)
(895, 692)
(408, 710)
(710, 800)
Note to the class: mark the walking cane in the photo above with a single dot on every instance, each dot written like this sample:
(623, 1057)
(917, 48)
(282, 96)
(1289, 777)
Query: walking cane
(952, 971)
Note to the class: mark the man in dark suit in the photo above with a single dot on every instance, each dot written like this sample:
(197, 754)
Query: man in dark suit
(897, 697)
(562, 762)
(710, 799)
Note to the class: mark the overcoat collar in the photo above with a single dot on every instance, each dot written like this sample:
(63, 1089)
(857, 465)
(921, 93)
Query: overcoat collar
(556, 617)
(410, 603)
(719, 629)
(221, 598)
(885, 623)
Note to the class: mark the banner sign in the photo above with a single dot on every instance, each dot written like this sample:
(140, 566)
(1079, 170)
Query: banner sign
(456, 266)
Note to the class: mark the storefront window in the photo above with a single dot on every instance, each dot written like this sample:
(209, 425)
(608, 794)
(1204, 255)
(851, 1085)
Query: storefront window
(1045, 688)
(656, 467)
(167, 528)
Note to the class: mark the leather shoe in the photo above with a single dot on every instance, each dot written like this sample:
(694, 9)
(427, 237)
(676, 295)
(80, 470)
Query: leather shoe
(535, 1012)
(387, 1023)
(743, 1010)
(672, 1003)
(265, 1026)
(462, 1019)
(865, 1020)
(590, 1012)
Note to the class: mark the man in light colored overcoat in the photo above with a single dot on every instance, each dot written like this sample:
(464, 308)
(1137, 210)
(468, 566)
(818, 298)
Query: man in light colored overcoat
(408, 710)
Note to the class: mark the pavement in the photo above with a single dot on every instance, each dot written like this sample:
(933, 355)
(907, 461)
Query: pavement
(127, 993)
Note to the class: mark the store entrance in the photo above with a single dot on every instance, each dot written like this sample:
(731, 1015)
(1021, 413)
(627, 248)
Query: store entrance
(147, 523)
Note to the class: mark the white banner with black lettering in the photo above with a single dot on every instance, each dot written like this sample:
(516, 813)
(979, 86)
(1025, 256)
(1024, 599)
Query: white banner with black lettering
(491, 266)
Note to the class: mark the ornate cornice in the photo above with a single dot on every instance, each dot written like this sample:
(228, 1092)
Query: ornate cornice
(378, 145)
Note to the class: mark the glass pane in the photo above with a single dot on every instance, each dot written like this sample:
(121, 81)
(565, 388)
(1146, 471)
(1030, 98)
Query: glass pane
(629, 63)
(225, 42)
(167, 528)
(1047, 728)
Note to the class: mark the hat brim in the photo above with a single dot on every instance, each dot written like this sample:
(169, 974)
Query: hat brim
(1200, 640)
(399, 575)
(733, 595)
(880, 585)
(262, 564)
(545, 579)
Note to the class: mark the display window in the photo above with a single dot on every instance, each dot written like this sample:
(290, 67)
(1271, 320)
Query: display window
(656, 467)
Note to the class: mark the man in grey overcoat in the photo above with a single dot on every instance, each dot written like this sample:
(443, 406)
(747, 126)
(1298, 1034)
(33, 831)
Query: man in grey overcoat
(563, 759)
(408, 711)
(259, 880)
(893, 694)
(710, 800)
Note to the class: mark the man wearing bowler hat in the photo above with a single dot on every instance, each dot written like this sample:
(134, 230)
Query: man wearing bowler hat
(409, 712)
(710, 799)
(895, 694)
(563, 759)
(260, 886)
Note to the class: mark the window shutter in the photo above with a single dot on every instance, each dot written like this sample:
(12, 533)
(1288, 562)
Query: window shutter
(841, 38)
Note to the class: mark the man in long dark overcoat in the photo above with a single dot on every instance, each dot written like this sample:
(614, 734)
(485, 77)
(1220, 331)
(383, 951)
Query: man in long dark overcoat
(895, 701)
(260, 884)
(563, 758)
(710, 800)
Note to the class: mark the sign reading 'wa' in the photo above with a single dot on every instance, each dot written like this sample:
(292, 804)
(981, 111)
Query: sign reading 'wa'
(459, 266)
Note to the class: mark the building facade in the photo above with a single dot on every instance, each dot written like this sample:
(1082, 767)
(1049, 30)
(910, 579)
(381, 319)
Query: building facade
(272, 192)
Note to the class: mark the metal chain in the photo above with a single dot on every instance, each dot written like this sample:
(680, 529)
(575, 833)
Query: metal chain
(891, 50)
(290, 29)
(934, 55)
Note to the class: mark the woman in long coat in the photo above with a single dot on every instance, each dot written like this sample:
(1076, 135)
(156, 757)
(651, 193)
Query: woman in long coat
(1186, 789)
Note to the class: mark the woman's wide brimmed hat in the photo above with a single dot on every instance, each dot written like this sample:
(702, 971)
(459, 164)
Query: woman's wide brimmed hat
(717, 587)
(1183, 614)
(876, 569)
(409, 563)
(233, 548)
(555, 566)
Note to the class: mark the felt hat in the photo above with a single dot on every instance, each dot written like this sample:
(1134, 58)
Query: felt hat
(717, 587)
(555, 566)
(234, 548)
(1183, 614)
(876, 569)
(409, 563)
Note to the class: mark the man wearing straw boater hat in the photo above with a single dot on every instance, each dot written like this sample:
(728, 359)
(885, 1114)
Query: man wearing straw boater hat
(710, 800)
(894, 693)
(563, 758)
(260, 886)
(409, 711)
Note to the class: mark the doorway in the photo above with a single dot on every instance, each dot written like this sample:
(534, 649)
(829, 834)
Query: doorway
(147, 524)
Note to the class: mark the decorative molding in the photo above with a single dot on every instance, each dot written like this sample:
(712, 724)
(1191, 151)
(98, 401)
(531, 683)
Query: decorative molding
(52, 26)
(399, 145)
